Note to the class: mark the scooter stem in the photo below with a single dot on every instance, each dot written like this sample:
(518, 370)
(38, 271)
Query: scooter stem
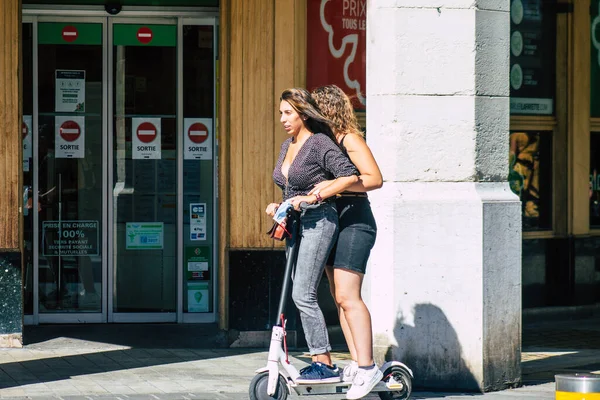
(293, 243)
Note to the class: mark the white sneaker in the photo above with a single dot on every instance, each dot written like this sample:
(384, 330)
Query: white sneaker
(364, 381)
(349, 371)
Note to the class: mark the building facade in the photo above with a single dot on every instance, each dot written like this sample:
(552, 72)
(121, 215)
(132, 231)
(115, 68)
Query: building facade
(136, 188)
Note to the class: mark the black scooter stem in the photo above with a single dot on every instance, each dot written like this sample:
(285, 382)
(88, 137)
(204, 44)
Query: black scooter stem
(293, 244)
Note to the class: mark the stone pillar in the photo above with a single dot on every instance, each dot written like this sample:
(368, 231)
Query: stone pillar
(11, 297)
(444, 281)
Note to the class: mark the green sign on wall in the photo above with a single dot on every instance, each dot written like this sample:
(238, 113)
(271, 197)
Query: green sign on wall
(145, 35)
(69, 33)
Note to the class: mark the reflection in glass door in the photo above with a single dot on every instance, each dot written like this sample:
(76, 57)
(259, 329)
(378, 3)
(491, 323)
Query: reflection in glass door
(70, 143)
(144, 197)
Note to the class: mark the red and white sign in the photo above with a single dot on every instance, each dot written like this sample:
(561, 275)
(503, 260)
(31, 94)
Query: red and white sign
(198, 138)
(144, 35)
(27, 143)
(336, 38)
(70, 131)
(146, 143)
(69, 33)
(69, 137)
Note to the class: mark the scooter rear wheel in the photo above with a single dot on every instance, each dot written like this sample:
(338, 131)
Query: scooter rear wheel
(258, 388)
(401, 376)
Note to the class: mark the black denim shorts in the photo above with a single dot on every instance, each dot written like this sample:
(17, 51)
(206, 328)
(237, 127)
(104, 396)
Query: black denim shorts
(357, 233)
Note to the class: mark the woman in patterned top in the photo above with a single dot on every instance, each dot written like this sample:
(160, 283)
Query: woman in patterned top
(347, 262)
(308, 157)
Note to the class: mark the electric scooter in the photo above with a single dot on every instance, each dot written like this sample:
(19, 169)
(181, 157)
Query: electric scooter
(277, 380)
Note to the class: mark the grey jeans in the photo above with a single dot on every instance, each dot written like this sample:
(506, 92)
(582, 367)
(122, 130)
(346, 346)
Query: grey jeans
(318, 230)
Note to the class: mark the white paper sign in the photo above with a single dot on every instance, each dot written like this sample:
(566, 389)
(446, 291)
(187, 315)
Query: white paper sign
(27, 142)
(70, 137)
(70, 91)
(146, 142)
(198, 138)
(197, 221)
(197, 296)
(144, 235)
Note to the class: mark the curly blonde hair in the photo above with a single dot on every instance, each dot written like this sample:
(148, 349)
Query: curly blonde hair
(337, 107)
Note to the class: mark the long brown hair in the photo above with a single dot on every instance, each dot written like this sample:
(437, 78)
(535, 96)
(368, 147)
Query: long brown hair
(337, 107)
(301, 101)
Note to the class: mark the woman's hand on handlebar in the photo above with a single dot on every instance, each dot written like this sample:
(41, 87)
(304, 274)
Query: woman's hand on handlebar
(271, 208)
(298, 200)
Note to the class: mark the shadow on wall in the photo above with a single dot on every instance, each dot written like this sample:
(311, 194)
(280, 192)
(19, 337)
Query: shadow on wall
(432, 350)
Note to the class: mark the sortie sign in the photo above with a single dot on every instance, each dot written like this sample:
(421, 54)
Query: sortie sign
(146, 143)
(70, 136)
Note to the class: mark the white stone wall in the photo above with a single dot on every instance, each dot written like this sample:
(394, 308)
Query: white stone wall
(443, 282)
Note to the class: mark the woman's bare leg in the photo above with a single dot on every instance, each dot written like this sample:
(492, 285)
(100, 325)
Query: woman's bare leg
(356, 315)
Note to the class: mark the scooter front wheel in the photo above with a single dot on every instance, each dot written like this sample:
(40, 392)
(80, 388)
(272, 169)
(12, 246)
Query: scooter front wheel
(401, 382)
(258, 388)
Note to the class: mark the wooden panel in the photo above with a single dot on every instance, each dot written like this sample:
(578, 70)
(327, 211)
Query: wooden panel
(579, 111)
(257, 119)
(267, 54)
(10, 117)
(234, 135)
(223, 175)
(300, 43)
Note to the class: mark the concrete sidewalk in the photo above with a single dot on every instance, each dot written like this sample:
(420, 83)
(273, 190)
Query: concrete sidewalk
(183, 362)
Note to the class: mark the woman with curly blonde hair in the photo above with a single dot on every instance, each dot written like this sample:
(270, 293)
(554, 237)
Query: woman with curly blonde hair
(347, 261)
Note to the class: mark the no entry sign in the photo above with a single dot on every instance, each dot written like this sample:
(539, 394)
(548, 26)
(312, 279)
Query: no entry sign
(146, 141)
(198, 132)
(144, 35)
(69, 33)
(146, 132)
(69, 137)
(198, 138)
(70, 131)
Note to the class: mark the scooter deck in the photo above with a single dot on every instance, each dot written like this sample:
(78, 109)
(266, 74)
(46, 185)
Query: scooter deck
(303, 389)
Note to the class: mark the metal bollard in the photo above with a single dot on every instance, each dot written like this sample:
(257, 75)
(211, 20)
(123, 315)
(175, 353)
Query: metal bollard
(577, 387)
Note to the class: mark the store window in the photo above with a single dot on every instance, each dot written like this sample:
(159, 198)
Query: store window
(532, 57)
(530, 176)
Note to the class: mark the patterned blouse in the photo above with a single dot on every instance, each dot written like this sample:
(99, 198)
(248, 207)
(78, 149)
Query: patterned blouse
(319, 159)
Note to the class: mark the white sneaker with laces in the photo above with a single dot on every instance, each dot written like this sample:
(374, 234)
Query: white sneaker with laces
(350, 371)
(364, 381)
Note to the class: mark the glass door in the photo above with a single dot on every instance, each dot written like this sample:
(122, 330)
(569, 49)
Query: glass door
(70, 178)
(198, 99)
(144, 180)
(120, 168)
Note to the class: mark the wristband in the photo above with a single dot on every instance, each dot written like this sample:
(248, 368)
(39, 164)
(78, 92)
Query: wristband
(319, 198)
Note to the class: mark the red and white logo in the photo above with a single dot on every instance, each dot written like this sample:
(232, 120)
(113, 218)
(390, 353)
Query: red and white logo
(144, 35)
(69, 33)
(146, 132)
(24, 130)
(198, 132)
(70, 131)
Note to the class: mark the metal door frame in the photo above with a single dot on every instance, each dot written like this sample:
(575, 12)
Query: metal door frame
(70, 317)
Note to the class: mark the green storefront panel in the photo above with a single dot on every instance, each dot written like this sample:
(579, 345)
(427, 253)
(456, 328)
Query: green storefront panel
(69, 33)
(144, 35)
